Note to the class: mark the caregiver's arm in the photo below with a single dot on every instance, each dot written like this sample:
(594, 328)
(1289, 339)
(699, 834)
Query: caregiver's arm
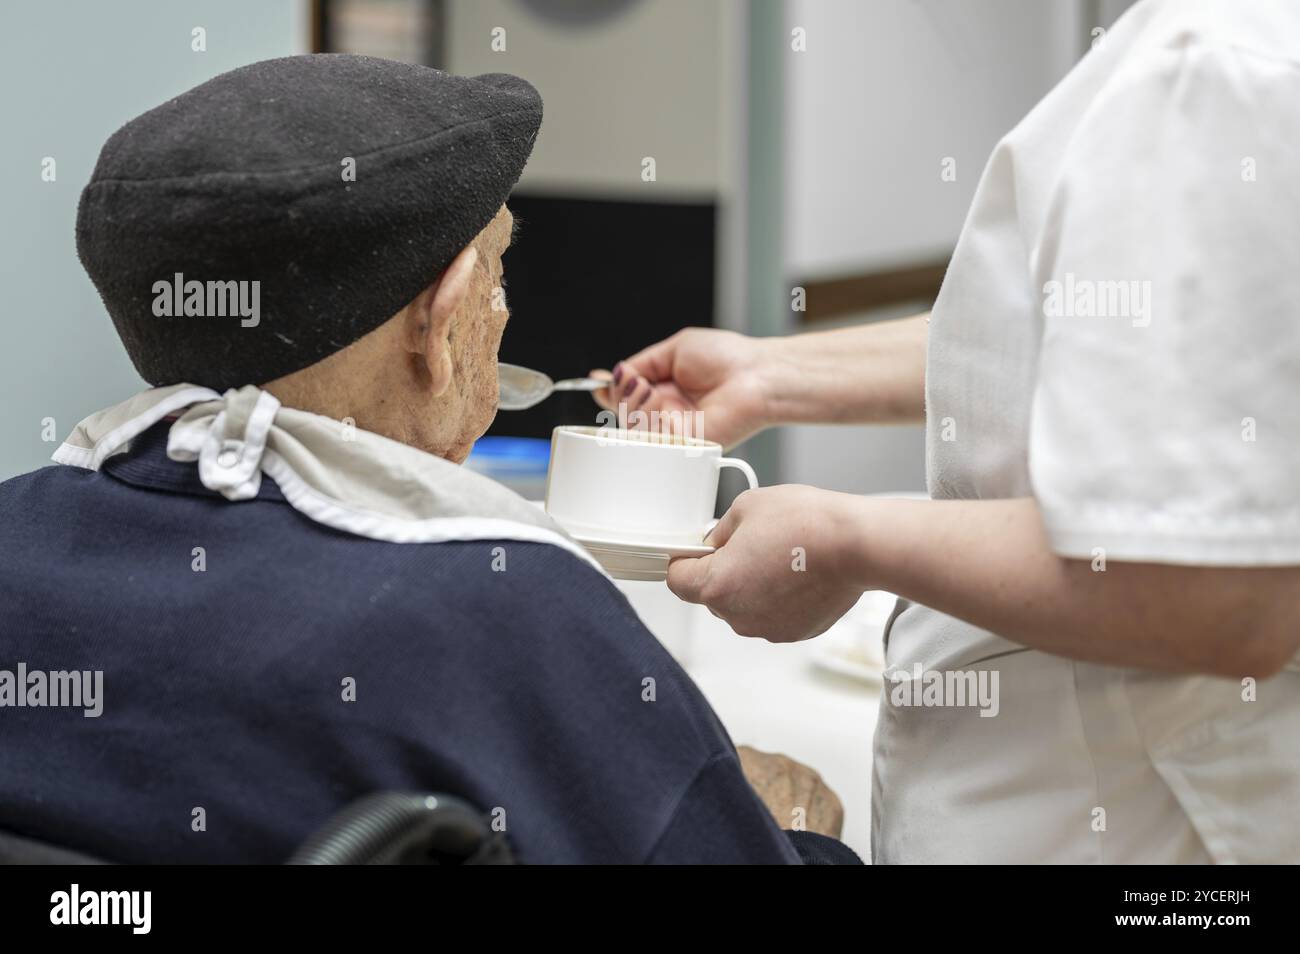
(866, 374)
(989, 563)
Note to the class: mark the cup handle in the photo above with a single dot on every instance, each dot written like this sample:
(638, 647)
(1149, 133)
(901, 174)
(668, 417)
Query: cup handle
(741, 466)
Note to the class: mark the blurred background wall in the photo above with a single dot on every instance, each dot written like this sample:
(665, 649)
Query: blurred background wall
(71, 73)
(886, 93)
(796, 143)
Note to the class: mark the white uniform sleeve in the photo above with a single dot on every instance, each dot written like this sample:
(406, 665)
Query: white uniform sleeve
(1166, 418)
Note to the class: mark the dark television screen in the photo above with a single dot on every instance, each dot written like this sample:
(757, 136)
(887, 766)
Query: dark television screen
(591, 281)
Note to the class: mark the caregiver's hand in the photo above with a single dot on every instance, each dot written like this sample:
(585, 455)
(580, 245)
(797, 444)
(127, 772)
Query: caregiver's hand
(866, 374)
(716, 373)
(785, 564)
(990, 563)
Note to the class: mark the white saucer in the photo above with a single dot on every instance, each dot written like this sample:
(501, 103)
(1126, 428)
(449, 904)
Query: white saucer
(630, 559)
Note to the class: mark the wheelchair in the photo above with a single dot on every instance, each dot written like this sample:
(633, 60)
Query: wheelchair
(384, 828)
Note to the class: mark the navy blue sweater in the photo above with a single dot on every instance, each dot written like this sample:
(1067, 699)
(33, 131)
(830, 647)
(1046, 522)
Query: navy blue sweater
(521, 691)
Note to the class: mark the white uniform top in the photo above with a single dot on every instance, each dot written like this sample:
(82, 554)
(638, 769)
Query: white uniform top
(1118, 335)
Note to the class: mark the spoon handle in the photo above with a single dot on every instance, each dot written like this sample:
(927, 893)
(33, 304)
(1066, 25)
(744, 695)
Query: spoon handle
(582, 384)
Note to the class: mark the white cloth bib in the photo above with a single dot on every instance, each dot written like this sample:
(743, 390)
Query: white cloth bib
(333, 473)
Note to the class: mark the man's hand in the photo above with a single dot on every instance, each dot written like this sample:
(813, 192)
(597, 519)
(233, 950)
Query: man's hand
(794, 794)
(784, 567)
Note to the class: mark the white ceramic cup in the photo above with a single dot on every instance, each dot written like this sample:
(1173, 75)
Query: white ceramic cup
(633, 485)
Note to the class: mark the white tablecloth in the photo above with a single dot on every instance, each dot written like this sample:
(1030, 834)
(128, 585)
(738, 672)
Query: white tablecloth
(774, 698)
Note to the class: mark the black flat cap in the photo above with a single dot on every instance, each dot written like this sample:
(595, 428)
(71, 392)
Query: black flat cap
(243, 179)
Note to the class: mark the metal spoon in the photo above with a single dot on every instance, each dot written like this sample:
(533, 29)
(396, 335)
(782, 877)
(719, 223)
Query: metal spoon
(522, 388)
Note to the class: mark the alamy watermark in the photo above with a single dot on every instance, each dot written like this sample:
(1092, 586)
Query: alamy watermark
(1085, 298)
(669, 426)
(133, 909)
(213, 299)
(945, 688)
(59, 688)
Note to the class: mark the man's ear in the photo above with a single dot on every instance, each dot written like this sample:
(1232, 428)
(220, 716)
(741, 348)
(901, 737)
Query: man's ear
(428, 320)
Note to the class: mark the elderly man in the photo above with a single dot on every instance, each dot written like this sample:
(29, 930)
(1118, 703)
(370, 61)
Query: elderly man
(293, 593)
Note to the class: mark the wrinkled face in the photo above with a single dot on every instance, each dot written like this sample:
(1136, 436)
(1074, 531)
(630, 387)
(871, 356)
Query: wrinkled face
(475, 334)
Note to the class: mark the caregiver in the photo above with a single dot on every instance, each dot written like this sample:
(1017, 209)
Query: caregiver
(1110, 381)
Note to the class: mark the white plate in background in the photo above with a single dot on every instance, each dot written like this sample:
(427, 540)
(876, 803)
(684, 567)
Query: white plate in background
(854, 647)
